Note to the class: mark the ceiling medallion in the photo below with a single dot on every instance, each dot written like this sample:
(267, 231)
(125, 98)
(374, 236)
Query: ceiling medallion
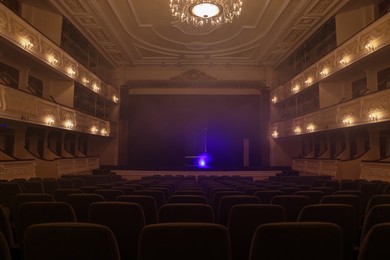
(206, 12)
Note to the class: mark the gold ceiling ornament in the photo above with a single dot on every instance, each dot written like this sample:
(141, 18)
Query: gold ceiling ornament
(206, 12)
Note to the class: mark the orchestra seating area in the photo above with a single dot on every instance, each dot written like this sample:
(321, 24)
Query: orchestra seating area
(103, 216)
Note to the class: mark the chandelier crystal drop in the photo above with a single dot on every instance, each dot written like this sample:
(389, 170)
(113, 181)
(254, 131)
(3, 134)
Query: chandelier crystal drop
(206, 12)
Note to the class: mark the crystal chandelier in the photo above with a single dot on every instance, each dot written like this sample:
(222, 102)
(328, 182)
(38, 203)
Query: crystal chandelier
(206, 12)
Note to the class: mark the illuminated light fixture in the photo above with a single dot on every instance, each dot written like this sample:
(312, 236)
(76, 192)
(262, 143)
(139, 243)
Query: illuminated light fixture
(71, 72)
(26, 44)
(296, 88)
(52, 60)
(297, 130)
(324, 72)
(94, 130)
(95, 87)
(344, 61)
(103, 131)
(69, 124)
(348, 120)
(49, 120)
(370, 46)
(375, 116)
(206, 12)
(310, 127)
(274, 99)
(85, 81)
(308, 81)
(275, 134)
(115, 98)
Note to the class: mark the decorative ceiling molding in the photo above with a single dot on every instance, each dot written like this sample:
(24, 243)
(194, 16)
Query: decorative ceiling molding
(193, 75)
(144, 35)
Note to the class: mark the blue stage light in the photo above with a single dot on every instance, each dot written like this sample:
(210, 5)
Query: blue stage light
(203, 160)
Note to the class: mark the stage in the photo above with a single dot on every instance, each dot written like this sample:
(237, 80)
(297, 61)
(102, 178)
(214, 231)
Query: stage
(255, 174)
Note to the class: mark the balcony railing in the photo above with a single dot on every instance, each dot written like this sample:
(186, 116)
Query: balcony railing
(372, 108)
(369, 40)
(26, 37)
(20, 106)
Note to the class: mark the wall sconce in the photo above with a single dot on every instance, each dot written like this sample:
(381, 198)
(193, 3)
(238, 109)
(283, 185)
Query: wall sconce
(115, 99)
(49, 120)
(274, 99)
(94, 130)
(347, 121)
(370, 46)
(103, 131)
(85, 81)
(69, 124)
(375, 116)
(308, 81)
(275, 134)
(324, 72)
(26, 44)
(296, 88)
(297, 130)
(310, 127)
(52, 60)
(71, 72)
(344, 61)
(95, 87)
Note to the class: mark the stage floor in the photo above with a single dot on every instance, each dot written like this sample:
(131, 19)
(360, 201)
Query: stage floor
(255, 174)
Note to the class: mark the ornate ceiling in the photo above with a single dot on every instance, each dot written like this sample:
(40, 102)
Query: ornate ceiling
(142, 33)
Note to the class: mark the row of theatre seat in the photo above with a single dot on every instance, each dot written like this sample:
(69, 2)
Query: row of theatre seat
(177, 217)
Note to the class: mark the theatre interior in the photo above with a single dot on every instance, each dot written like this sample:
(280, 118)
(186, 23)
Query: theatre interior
(194, 129)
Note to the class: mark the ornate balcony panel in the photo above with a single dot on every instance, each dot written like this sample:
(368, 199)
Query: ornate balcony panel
(18, 104)
(370, 39)
(349, 113)
(17, 169)
(21, 106)
(375, 171)
(317, 167)
(22, 34)
(376, 107)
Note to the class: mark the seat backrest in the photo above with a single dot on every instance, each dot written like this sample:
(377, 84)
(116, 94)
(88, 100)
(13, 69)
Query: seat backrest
(30, 197)
(33, 187)
(375, 245)
(65, 183)
(8, 191)
(377, 200)
(292, 204)
(190, 241)
(243, 221)
(109, 194)
(266, 196)
(156, 194)
(30, 213)
(4, 249)
(189, 192)
(50, 185)
(64, 241)
(348, 199)
(187, 199)
(60, 194)
(185, 212)
(148, 204)
(80, 203)
(217, 196)
(376, 215)
(315, 196)
(297, 241)
(227, 202)
(342, 215)
(5, 226)
(125, 219)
